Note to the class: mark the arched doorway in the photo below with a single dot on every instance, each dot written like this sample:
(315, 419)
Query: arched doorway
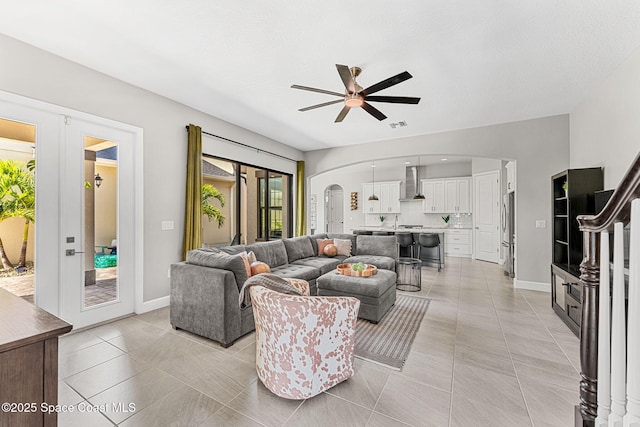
(333, 209)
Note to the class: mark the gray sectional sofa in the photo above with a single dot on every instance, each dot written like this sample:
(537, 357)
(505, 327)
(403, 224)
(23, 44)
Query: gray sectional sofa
(205, 288)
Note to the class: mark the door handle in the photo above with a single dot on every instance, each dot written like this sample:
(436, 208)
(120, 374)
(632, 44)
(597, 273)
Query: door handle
(72, 252)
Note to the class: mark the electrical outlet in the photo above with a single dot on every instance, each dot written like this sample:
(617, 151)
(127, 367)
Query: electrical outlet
(167, 225)
(541, 223)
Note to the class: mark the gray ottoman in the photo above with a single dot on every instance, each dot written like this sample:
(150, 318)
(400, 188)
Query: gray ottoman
(376, 293)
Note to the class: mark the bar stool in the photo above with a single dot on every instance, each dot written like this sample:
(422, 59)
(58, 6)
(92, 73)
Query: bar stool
(429, 240)
(405, 240)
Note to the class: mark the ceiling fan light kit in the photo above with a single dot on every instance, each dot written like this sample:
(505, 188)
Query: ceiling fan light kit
(353, 100)
(355, 96)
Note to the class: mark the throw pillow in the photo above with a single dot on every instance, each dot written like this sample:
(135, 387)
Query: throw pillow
(330, 250)
(322, 243)
(258, 267)
(344, 246)
(251, 257)
(245, 260)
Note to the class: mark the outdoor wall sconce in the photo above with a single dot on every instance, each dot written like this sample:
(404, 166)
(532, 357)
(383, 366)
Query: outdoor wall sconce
(98, 179)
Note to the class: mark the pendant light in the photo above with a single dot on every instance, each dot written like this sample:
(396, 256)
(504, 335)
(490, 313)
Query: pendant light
(373, 196)
(418, 195)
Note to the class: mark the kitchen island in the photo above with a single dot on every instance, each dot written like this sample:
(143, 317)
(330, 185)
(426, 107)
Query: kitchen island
(454, 240)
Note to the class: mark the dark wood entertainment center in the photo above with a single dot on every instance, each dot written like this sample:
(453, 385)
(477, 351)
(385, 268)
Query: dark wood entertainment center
(578, 199)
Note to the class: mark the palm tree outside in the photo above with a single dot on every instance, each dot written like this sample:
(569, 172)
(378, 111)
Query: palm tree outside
(17, 200)
(209, 194)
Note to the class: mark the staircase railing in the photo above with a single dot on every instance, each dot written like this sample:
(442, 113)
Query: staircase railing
(609, 332)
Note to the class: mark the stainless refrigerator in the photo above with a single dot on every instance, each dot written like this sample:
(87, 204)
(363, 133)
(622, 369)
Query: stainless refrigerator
(508, 233)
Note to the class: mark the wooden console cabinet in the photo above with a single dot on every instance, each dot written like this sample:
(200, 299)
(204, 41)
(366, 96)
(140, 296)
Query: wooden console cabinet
(28, 361)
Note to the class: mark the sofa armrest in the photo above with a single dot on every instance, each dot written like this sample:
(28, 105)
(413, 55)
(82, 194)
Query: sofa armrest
(204, 301)
(299, 284)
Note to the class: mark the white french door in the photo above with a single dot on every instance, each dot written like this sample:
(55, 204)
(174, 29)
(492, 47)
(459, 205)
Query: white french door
(486, 216)
(63, 182)
(80, 222)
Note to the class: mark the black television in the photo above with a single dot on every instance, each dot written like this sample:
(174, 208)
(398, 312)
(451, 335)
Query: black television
(601, 199)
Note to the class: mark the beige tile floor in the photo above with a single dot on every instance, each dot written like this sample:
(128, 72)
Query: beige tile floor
(485, 355)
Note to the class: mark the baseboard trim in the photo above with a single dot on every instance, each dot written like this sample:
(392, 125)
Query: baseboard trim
(532, 286)
(154, 304)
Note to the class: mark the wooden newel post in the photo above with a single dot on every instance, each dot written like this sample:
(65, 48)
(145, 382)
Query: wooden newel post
(590, 280)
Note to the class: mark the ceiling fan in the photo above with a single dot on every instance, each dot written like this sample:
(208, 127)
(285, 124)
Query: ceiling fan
(355, 96)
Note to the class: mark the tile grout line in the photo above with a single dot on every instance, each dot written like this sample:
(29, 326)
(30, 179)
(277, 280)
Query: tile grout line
(550, 333)
(515, 371)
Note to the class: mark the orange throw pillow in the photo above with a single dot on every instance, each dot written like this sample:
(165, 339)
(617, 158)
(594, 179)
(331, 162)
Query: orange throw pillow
(322, 243)
(330, 251)
(259, 267)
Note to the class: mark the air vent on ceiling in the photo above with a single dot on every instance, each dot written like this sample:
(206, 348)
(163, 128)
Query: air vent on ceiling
(400, 124)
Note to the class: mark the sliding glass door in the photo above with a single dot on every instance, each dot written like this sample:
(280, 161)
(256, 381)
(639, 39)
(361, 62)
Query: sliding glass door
(244, 204)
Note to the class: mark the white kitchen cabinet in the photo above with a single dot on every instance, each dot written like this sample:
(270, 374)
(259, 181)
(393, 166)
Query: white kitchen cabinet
(511, 176)
(434, 196)
(388, 197)
(458, 242)
(390, 202)
(461, 195)
(451, 195)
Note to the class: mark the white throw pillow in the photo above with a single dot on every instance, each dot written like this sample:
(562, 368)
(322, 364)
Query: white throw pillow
(343, 245)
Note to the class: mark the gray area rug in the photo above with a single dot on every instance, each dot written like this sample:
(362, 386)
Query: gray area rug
(389, 342)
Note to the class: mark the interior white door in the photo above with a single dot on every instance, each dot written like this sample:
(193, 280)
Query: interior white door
(76, 256)
(486, 217)
(336, 211)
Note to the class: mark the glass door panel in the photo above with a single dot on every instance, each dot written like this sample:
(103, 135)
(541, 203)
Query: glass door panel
(100, 221)
(17, 208)
(219, 220)
(257, 203)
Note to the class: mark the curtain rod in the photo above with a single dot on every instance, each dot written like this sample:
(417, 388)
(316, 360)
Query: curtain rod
(246, 146)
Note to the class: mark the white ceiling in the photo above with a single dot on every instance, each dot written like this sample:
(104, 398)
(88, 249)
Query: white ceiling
(473, 62)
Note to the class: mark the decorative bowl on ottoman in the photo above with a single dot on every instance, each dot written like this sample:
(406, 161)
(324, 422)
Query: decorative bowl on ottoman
(348, 270)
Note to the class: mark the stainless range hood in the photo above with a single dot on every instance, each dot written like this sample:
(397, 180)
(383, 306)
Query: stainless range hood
(412, 184)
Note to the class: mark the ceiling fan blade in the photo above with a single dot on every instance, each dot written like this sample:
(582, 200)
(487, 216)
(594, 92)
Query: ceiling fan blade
(373, 111)
(391, 81)
(394, 99)
(313, 89)
(324, 104)
(347, 78)
(342, 114)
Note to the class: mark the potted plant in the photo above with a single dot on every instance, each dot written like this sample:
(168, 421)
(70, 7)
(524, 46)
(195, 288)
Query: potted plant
(446, 220)
(382, 218)
(565, 187)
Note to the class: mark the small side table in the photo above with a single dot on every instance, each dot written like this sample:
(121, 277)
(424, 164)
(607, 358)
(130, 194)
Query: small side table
(409, 274)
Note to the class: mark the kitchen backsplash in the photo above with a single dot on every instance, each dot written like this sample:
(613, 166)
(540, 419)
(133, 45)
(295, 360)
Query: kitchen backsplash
(412, 215)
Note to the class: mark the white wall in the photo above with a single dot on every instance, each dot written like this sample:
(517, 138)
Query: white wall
(479, 165)
(541, 147)
(37, 74)
(447, 170)
(605, 127)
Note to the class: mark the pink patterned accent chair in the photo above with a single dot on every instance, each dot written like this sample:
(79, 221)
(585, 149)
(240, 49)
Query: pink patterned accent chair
(304, 345)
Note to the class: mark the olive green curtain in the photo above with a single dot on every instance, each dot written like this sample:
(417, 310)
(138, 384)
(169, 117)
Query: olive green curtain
(301, 218)
(193, 205)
